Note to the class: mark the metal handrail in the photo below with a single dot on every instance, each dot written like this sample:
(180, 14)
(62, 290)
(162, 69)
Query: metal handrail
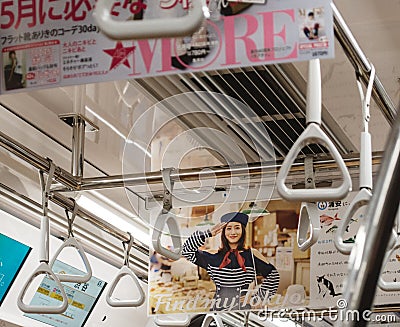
(359, 61)
(372, 238)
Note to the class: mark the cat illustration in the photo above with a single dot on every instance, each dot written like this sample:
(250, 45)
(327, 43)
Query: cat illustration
(325, 286)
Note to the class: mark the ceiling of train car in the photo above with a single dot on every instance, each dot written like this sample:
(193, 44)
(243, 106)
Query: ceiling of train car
(276, 105)
(275, 94)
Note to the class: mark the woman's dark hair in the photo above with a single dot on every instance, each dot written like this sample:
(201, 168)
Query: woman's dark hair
(225, 243)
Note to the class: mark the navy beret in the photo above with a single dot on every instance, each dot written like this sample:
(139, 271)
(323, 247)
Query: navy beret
(236, 217)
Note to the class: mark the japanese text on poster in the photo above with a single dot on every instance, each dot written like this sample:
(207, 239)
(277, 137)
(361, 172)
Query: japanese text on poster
(56, 43)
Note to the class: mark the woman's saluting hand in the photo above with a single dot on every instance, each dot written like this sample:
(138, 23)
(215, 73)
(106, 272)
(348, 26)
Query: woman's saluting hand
(216, 229)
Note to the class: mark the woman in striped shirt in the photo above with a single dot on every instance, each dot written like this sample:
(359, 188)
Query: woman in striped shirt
(234, 267)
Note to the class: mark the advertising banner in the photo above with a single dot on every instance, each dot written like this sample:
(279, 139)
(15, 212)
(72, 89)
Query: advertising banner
(48, 43)
(82, 297)
(329, 267)
(265, 271)
(12, 256)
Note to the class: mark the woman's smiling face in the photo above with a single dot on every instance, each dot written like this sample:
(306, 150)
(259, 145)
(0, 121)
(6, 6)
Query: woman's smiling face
(233, 232)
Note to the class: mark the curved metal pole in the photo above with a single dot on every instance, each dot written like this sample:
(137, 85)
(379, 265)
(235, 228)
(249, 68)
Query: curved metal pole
(360, 61)
(372, 239)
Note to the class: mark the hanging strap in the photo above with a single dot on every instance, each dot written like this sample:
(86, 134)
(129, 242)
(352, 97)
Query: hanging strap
(309, 226)
(393, 246)
(70, 220)
(366, 149)
(212, 318)
(166, 218)
(71, 241)
(149, 28)
(167, 323)
(364, 196)
(125, 271)
(44, 268)
(313, 134)
(45, 223)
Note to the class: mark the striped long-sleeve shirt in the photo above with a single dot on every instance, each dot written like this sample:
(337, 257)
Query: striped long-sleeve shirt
(231, 276)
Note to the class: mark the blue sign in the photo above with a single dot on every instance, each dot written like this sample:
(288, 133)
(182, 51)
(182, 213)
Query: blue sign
(12, 256)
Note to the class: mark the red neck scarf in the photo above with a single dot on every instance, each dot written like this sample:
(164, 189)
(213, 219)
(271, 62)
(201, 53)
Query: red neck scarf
(226, 261)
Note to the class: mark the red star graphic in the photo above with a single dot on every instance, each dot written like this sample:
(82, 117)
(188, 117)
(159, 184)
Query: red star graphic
(120, 55)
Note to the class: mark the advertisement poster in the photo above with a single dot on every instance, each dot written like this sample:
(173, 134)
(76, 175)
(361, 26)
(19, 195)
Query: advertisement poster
(329, 267)
(82, 298)
(12, 256)
(57, 43)
(266, 272)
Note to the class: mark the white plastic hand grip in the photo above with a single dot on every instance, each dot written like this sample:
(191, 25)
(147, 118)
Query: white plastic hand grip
(125, 271)
(366, 161)
(362, 198)
(309, 223)
(313, 105)
(172, 323)
(394, 245)
(313, 134)
(169, 220)
(212, 318)
(72, 242)
(150, 28)
(43, 269)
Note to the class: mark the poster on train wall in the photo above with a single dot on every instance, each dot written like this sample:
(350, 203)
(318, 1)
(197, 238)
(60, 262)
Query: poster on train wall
(82, 297)
(49, 43)
(329, 267)
(230, 261)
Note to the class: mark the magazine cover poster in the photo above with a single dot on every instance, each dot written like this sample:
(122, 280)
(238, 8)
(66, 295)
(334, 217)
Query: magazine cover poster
(232, 259)
(60, 43)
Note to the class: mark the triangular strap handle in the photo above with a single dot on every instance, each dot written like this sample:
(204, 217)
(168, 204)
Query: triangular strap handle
(313, 134)
(169, 220)
(125, 271)
(308, 220)
(394, 245)
(362, 198)
(72, 242)
(212, 318)
(43, 269)
(150, 28)
(172, 323)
